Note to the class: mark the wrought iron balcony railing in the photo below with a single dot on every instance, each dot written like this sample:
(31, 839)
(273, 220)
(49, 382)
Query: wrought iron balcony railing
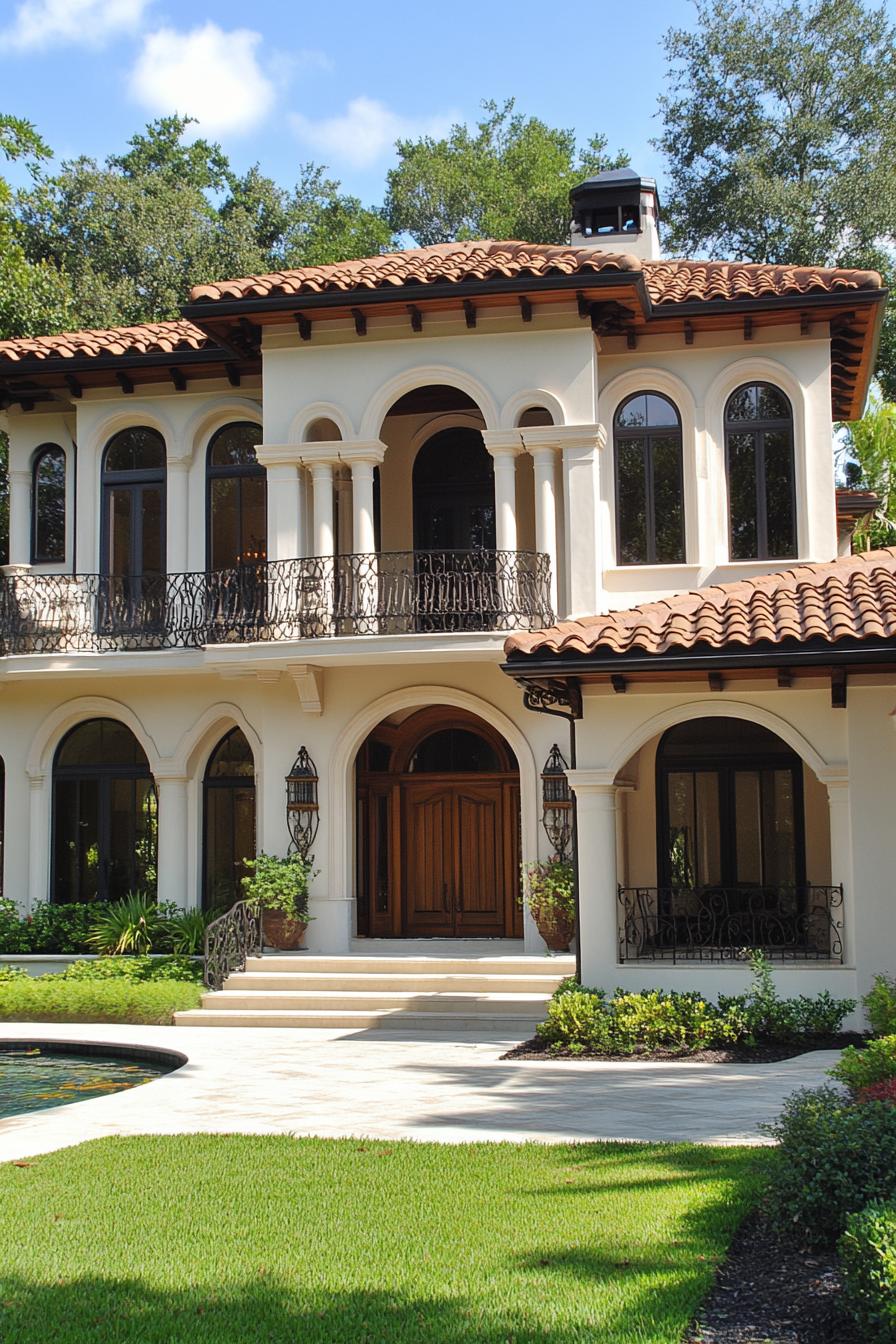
(392, 593)
(793, 923)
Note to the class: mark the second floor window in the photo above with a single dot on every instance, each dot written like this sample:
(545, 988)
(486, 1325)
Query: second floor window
(649, 486)
(48, 506)
(237, 498)
(759, 457)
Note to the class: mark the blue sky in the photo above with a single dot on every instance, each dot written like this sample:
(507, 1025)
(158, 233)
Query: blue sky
(283, 82)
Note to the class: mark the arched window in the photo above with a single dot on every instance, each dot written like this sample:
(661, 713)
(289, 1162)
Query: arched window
(228, 820)
(730, 812)
(454, 493)
(649, 485)
(759, 458)
(105, 815)
(237, 498)
(48, 506)
(133, 527)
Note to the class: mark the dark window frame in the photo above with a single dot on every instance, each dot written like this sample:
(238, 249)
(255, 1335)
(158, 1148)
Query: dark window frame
(135, 479)
(104, 774)
(222, 783)
(626, 434)
(40, 454)
(725, 764)
(230, 471)
(759, 428)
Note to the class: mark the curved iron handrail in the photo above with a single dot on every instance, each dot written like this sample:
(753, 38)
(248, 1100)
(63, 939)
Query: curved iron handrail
(402, 592)
(229, 941)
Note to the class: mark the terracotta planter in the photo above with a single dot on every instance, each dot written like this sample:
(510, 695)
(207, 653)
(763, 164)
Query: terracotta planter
(282, 932)
(557, 930)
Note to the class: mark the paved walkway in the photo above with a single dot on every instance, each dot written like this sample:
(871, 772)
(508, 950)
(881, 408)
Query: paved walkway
(378, 1085)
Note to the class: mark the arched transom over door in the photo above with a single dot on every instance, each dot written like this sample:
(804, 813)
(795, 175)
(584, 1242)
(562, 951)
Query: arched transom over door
(438, 829)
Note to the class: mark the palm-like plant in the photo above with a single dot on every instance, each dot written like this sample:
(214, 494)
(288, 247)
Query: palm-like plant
(128, 925)
(186, 932)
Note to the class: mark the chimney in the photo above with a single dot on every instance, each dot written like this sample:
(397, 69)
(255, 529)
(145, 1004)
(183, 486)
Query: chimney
(617, 211)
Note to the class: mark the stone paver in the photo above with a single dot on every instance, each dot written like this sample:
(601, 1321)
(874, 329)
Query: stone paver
(375, 1084)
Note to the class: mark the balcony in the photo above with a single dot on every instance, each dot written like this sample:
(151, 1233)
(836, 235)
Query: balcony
(676, 924)
(397, 593)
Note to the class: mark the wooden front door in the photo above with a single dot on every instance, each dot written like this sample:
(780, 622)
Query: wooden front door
(459, 857)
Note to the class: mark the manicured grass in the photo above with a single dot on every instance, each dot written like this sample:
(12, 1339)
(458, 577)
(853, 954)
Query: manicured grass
(234, 1239)
(55, 999)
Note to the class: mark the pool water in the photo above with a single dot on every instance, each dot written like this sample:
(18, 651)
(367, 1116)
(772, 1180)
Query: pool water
(34, 1077)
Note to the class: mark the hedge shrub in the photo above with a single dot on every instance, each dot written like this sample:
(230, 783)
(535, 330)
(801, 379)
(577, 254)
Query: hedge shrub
(880, 1005)
(868, 1256)
(874, 1063)
(833, 1158)
(58, 998)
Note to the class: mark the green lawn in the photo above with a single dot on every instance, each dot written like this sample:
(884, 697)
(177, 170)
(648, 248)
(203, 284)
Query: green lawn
(234, 1239)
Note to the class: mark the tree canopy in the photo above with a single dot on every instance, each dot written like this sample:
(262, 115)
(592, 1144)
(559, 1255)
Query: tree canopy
(510, 178)
(779, 129)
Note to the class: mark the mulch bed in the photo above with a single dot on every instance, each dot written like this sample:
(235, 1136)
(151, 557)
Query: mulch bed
(768, 1293)
(737, 1054)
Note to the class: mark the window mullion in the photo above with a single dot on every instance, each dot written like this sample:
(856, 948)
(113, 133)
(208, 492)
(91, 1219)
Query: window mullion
(761, 499)
(649, 516)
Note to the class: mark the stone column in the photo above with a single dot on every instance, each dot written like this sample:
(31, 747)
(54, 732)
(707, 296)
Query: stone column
(363, 532)
(20, 516)
(504, 446)
(173, 841)
(363, 458)
(322, 496)
(598, 898)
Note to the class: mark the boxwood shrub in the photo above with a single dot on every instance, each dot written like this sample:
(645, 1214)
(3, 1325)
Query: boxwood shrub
(868, 1256)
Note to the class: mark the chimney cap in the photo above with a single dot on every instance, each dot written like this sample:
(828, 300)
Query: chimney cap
(614, 180)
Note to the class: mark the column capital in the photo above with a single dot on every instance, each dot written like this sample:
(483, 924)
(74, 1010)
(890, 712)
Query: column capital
(601, 782)
(503, 442)
(175, 463)
(20, 476)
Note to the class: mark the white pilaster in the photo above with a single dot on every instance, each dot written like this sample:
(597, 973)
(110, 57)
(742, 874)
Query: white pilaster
(38, 839)
(504, 446)
(20, 516)
(322, 496)
(284, 512)
(837, 785)
(544, 462)
(580, 501)
(177, 515)
(173, 841)
(598, 916)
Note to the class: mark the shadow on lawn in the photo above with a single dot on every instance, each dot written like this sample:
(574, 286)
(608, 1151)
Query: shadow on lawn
(127, 1312)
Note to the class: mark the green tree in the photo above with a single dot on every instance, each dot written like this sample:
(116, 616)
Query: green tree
(135, 233)
(779, 129)
(871, 465)
(510, 178)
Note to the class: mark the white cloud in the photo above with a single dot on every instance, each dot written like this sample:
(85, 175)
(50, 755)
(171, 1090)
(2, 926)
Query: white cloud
(206, 73)
(365, 132)
(86, 23)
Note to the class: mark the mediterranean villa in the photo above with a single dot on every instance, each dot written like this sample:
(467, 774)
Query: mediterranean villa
(394, 530)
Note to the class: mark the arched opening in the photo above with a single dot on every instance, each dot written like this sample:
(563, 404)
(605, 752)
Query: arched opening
(649, 481)
(725, 844)
(228, 820)
(534, 417)
(438, 821)
(454, 493)
(761, 476)
(105, 815)
(236, 508)
(48, 505)
(322, 430)
(132, 529)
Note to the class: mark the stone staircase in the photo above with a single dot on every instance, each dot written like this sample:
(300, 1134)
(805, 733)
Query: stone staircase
(505, 995)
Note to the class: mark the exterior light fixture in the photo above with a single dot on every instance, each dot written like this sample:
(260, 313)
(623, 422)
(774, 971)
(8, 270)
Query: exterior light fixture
(302, 811)
(556, 803)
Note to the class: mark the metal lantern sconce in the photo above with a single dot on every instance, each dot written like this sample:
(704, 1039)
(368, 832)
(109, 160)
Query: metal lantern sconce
(302, 812)
(556, 803)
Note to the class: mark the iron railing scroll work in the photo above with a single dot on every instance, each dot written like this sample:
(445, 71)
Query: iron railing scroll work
(393, 593)
(677, 924)
(229, 942)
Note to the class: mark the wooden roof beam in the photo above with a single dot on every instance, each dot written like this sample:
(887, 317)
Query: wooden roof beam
(74, 386)
(416, 317)
(470, 312)
(304, 325)
(178, 379)
(360, 322)
(124, 382)
(525, 308)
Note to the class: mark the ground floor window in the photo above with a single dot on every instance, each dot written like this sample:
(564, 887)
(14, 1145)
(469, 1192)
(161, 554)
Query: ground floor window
(105, 815)
(228, 820)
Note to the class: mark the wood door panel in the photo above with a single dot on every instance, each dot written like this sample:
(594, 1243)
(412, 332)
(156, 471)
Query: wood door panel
(480, 883)
(429, 859)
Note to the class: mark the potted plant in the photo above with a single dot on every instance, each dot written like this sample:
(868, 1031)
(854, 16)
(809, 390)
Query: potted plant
(550, 896)
(278, 888)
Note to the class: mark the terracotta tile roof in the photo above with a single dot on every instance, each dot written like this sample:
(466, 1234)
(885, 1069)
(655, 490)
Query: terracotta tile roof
(704, 281)
(666, 281)
(851, 598)
(149, 338)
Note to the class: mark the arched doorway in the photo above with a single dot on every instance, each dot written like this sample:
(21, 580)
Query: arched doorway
(228, 826)
(105, 815)
(132, 540)
(438, 809)
(454, 493)
(236, 505)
